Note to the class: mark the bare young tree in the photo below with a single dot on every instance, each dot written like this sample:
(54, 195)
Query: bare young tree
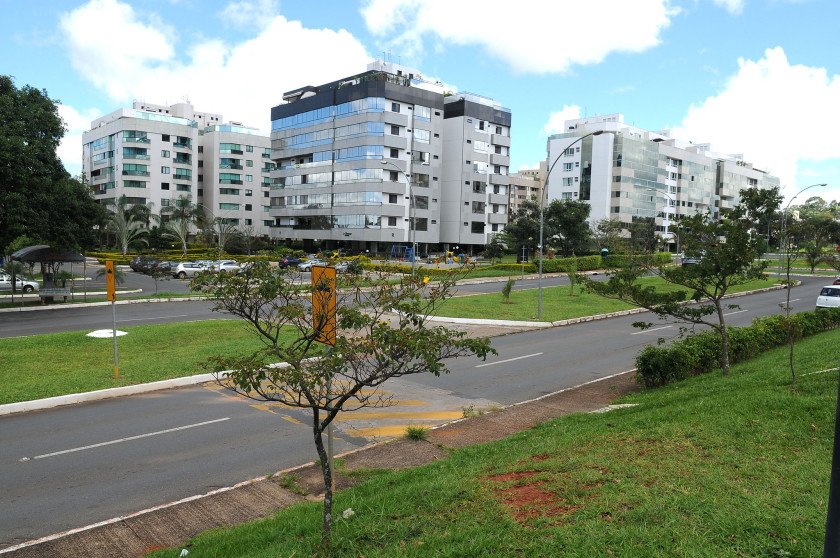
(383, 333)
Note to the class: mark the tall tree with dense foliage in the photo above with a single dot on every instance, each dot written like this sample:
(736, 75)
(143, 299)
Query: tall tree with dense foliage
(523, 229)
(38, 197)
(566, 226)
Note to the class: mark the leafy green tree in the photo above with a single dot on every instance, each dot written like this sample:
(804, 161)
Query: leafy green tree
(728, 257)
(495, 249)
(38, 197)
(609, 234)
(372, 345)
(643, 235)
(566, 226)
(523, 230)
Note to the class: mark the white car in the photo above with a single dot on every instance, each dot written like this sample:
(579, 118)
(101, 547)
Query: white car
(829, 297)
(187, 269)
(225, 265)
(307, 265)
(20, 284)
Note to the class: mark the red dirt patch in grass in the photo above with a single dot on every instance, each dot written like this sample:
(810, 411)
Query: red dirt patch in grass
(530, 501)
(507, 477)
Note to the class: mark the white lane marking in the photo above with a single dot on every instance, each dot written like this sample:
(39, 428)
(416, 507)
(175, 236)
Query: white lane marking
(128, 439)
(819, 372)
(796, 299)
(507, 360)
(735, 312)
(649, 330)
(156, 318)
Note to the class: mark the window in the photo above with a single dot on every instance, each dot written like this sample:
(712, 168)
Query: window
(164, 137)
(395, 153)
(567, 166)
(395, 130)
(422, 113)
(164, 153)
(497, 169)
(421, 224)
(615, 209)
(478, 187)
(229, 206)
(395, 107)
(249, 163)
(165, 202)
(201, 164)
(566, 195)
(248, 221)
(265, 194)
(183, 187)
(249, 178)
(495, 227)
(477, 227)
(577, 164)
(249, 148)
(229, 191)
(393, 176)
(420, 156)
(568, 181)
(421, 202)
(164, 185)
(248, 207)
(478, 207)
(420, 180)
(392, 221)
(392, 198)
(421, 136)
(164, 170)
(249, 193)
(201, 149)
(496, 189)
(498, 129)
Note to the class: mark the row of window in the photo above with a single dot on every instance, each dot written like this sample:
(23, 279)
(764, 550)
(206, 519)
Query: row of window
(235, 207)
(309, 118)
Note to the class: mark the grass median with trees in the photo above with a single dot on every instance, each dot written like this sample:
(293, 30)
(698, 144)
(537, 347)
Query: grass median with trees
(40, 366)
(712, 466)
(558, 304)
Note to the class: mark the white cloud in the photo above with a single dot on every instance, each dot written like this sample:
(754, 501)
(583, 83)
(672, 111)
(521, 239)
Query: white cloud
(137, 56)
(780, 115)
(70, 148)
(557, 119)
(532, 36)
(249, 13)
(734, 7)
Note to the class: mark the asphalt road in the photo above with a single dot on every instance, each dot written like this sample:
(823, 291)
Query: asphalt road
(69, 467)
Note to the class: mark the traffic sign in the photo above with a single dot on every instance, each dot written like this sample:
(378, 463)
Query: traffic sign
(323, 304)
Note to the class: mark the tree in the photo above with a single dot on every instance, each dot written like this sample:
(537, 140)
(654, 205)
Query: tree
(643, 235)
(609, 234)
(523, 230)
(727, 252)
(38, 197)
(495, 249)
(127, 230)
(372, 346)
(566, 226)
(225, 231)
(178, 220)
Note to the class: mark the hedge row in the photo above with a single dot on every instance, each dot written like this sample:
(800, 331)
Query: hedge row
(701, 353)
(622, 260)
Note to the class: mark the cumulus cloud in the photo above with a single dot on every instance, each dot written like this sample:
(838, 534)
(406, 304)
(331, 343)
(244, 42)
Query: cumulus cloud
(75, 122)
(734, 7)
(779, 115)
(138, 56)
(249, 13)
(531, 36)
(557, 119)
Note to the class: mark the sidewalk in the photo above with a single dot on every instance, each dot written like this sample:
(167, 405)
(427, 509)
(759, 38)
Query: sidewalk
(174, 523)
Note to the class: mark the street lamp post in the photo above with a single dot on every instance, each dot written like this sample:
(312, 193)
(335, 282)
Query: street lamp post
(412, 213)
(542, 217)
(784, 235)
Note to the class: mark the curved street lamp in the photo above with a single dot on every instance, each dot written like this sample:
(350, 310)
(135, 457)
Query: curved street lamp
(412, 224)
(542, 216)
(786, 241)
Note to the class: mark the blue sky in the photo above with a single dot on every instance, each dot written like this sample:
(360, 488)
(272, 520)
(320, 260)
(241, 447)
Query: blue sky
(758, 77)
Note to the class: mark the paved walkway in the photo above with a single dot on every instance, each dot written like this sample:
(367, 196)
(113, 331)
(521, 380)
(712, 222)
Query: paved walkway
(175, 523)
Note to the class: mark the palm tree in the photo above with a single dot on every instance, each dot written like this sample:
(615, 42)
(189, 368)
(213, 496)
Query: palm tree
(178, 229)
(180, 219)
(127, 230)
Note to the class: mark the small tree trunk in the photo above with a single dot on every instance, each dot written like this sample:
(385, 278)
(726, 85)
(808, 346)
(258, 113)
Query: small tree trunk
(791, 339)
(724, 339)
(328, 491)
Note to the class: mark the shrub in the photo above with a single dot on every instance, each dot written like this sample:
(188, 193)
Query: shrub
(416, 433)
(700, 353)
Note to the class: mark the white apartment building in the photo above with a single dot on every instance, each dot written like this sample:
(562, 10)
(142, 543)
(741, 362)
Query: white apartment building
(155, 154)
(625, 172)
(380, 160)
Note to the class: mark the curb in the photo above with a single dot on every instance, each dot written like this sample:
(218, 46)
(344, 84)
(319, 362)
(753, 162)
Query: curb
(571, 321)
(104, 303)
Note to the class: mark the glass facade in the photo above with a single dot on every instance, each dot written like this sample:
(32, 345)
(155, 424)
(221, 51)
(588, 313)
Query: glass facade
(317, 116)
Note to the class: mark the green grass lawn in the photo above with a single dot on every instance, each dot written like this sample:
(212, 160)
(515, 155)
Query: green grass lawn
(714, 466)
(557, 303)
(41, 366)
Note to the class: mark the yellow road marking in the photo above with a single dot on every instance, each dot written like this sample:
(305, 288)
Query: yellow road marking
(293, 420)
(376, 415)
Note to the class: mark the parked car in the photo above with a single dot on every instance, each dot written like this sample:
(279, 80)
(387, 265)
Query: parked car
(225, 265)
(188, 269)
(346, 266)
(164, 266)
(837, 281)
(141, 264)
(829, 297)
(691, 260)
(289, 261)
(23, 285)
(307, 265)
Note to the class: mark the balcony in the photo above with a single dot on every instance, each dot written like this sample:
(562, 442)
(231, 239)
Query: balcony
(136, 156)
(135, 173)
(182, 161)
(230, 182)
(136, 140)
(186, 177)
(498, 139)
(228, 166)
(181, 145)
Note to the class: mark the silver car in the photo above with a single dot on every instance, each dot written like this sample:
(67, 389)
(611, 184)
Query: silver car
(225, 265)
(307, 265)
(188, 269)
(20, 284)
